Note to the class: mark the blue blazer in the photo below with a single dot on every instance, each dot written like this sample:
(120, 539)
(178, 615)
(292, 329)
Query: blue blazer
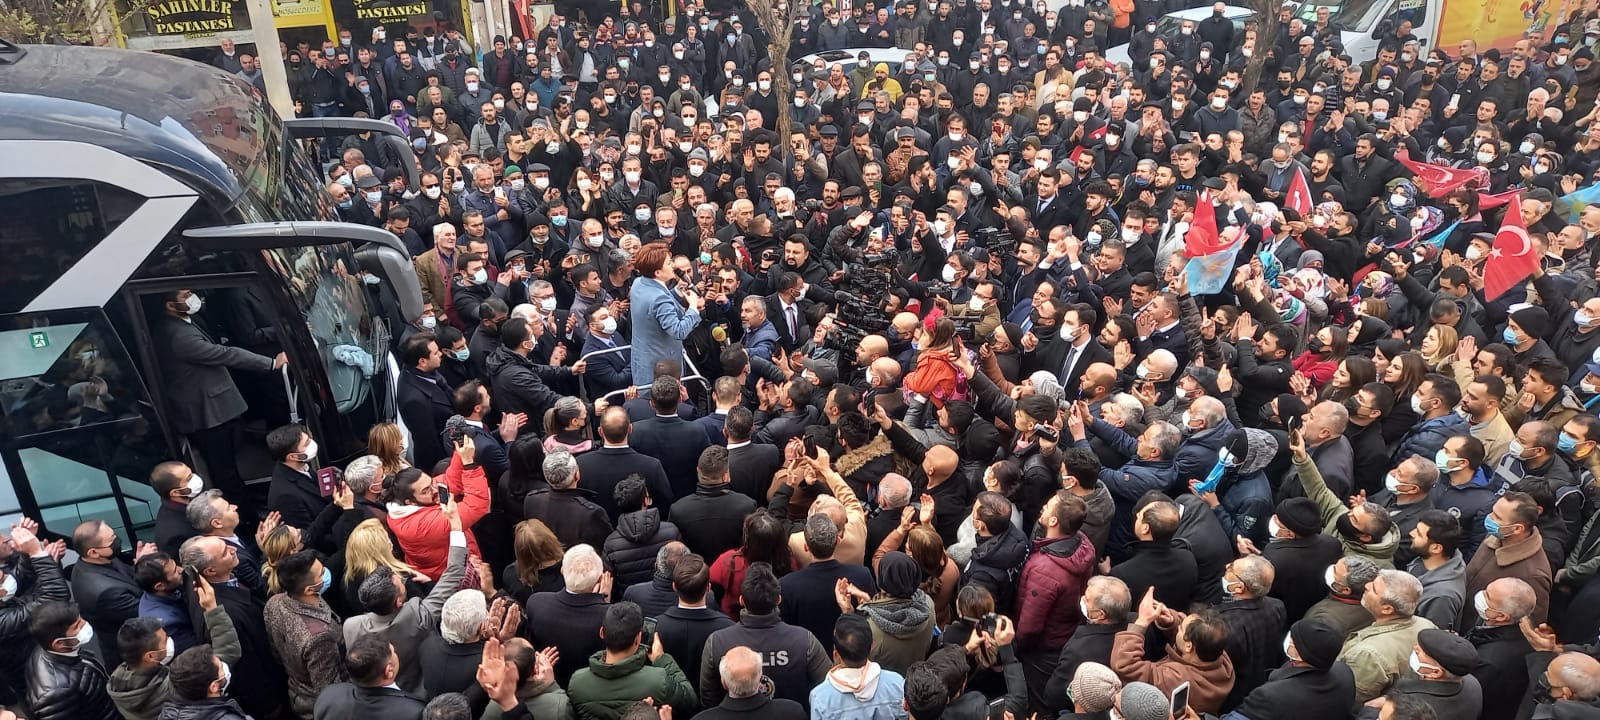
(660, 325)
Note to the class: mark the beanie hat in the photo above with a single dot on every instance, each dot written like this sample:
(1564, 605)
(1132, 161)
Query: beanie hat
(1013, 333)
(1317, 642)
(1300, 515)
(1046, 384)
(1533, 320)
(1094, 687)
(1143, 701)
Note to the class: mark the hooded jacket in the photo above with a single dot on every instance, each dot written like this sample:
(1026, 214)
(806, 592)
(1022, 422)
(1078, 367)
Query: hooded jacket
(604, 690)
(1100, 508)
(419, 528)
(1470, 503)
(995, 564)
(1052, 582)
(631, 548)
(139, 694)
(1428, 436)
(902, 629)
(217, 708)
(1380, 551)
(865, 693)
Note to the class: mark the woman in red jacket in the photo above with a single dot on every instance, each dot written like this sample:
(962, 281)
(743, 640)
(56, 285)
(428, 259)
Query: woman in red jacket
(419, 523)
(1324, 351)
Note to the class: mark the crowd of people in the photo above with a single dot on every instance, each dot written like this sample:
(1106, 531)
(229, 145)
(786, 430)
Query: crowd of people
(912, 413)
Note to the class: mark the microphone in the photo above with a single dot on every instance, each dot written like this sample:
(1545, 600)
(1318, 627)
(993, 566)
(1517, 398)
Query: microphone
(719, 334)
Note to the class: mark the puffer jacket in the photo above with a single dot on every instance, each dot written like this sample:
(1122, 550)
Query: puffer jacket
(208, 709)
(1427, 437)
(995, 564)
(1054, 579)
(604, 690)
(48, 584)
(902, 629)
(631, 549)
(62, 687)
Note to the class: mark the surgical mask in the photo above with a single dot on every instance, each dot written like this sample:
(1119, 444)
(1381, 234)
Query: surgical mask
(480, 277)
(1566, 443)
(1143, 372)
(472, 87)
(940, 228)
(1273, 528)
(463, 354)
(499, 104)
(430, 322)
(433, 193)
(195, 485)
(1480, 603)
(552, 147)
(1380, 114)
(347, 181)
(1384, 83)
(763, 85)
(977, 304)
(641, 214)
(595, 241)
(1399, 200)
(311, 449)
(84, 635)
(976, 188)
(327, 583)
(1328, 578)
(558, 220)
(948, 274)
(1218, 103)
(227, 677)
(585, 184)
(1417, 664)
(1510, 336)
(1080, 117)
(1041, 164)
(799, 102)
(547, 304)
(1442, 461)
(634, 149)
(1225, 585)
(194, 304)
(632, 176)
(1300, 99)
(1391, 483)
(518, 184)
(697, 170)
(608, 326)
(1486, 157)
(374, 196)
(458, 186)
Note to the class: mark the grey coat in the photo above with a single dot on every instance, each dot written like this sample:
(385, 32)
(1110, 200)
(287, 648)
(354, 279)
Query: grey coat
(415, 620)
(200, 392)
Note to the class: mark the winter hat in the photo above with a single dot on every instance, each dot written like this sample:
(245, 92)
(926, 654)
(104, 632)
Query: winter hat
(1451, 651)
(1143, 701)
(1317, 642)
(1291, 406)
(1533, 320)
(1206, 377)
(1013, 333)
(898, 574)
(1254, 449)
(1045, 383)
(1094, 687)
(1300, 515)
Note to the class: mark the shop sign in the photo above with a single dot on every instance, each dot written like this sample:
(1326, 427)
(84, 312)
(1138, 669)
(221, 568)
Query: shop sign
(191, 17)
(388, 10)
(296, 8)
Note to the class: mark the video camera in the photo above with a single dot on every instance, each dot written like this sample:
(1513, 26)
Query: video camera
(993, 239)
(857, 318)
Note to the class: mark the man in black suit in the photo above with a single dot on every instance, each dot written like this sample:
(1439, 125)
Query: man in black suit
(786, 308)
(103, 583)
(610, 371)
(258, 679)
(1156, 561)
(724, 397)
(808, 593)
(1111, 262)
(373, 666)
(424, 398)
(751, 465)
(1077, 328)
(569, 619)
(685, 626)
(667, 437)
(1047, 209)
(176, 484)
(712, 519)
(1107, 600)
(640, 408)
(1160, 329)
(212, 515)
(600, 470)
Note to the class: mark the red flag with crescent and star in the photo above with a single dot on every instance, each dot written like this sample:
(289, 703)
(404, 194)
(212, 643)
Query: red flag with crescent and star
(1298, 196)
(1203, 238)
(1439, 180)
(1512, 259)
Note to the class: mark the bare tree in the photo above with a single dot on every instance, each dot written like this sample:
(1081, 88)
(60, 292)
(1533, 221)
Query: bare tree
(1266, 35)
(74, 22)
(778, 25)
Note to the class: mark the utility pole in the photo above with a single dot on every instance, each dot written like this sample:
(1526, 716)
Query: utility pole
(264, 28)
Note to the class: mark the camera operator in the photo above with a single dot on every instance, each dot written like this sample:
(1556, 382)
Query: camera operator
(980, 309)
(798, 259)
(950, 287)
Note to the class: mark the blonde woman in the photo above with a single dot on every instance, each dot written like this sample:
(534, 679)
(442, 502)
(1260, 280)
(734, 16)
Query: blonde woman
(387, 441)
(281, 542)
(1439, 348)
(368, 547)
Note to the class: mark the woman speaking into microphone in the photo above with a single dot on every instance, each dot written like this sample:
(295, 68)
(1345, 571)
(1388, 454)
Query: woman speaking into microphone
(660, 321)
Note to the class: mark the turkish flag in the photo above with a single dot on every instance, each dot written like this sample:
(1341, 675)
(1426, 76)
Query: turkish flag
(1202, 238)
(1298, 196)
(1437, 180)
(1490, 202)
(1512, 260)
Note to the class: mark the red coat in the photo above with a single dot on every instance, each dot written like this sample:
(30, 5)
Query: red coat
(1314, 367)
(424, 531)
(1053, 579)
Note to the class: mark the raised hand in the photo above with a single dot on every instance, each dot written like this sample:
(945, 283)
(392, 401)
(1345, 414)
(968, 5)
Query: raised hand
(925, 514)
(272, 521)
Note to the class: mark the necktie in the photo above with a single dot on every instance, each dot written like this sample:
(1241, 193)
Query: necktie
(794, 326)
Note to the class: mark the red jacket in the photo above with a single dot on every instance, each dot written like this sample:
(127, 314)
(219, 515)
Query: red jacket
(423, 530)
(1053, 579)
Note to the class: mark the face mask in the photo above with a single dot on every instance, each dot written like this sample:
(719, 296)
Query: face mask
(1218, 103)
(1485, 157)
(1080, 117)
(458, 186)
(1480, 603)
(547, 304)
(948, 274)
(193, 304)
(472, 87)
(480, 277)
(1442, 460)
(1416, 405)
(430, 322)
(1328, 578)
(518, 184)
(1226, 592)
(84, 635)
(1416, 224)
(1383, 84)
(940, 227)
(642, 214)
(1300, 99)
(1566, 443)
(1510, 336)
(311, 446)
(595, 241)
(607, 176)
(1143, 372)
(347, 181)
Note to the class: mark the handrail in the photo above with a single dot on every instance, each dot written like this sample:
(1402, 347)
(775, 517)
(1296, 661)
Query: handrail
(583, 390)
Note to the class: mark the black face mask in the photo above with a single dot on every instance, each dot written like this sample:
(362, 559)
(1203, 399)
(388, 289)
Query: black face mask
(1348, 529)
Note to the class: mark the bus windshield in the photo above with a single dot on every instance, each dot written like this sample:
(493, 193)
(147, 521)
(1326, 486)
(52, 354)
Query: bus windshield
(1348, 15)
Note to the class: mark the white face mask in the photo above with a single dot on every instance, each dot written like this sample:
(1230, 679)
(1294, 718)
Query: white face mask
(608, 326)
(194, 304)
(948, 274)
(311, 446)
(1218, 103)
(1485, 157)
(433, 193)
(595, 241)
(977, 304)
(429, 322)
(940, 227)
(548, 304)
(458, 186)
(585, 184)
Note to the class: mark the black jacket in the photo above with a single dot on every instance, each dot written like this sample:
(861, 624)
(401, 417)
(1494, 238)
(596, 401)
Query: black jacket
(1167, 568)
(808, 599)
(1089, 643)
(107, 596)
(15, 643)
(656, 595)
(996, 565)
(712, 519)
(343, 700)
(67, 688)
(756, 707)
(425, 404)
(520, 385)
(751, 469)
(683, 633)
(631, 548)
(220, 708)
(172, 527)
(572, 515)
(570, 623)
(1201, 532)
(1255, 642)
(677, 443)
(1299, 567)
(1304, 694)
(798, 661)
(296, 496)
(778, 429)
(1502, 668)
(601, 469)
(259, 682)
(448, 667)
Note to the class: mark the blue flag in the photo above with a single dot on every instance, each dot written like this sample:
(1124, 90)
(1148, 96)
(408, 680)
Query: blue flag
(1208, 274)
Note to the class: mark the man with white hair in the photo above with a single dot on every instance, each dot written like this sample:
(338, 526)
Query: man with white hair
(1206, 430)
(894, 493)
(740, 672)
(450, 658)
(1381, 652)
(570, 619)
(1256, 623)
(1502, 648)
(567, 509)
